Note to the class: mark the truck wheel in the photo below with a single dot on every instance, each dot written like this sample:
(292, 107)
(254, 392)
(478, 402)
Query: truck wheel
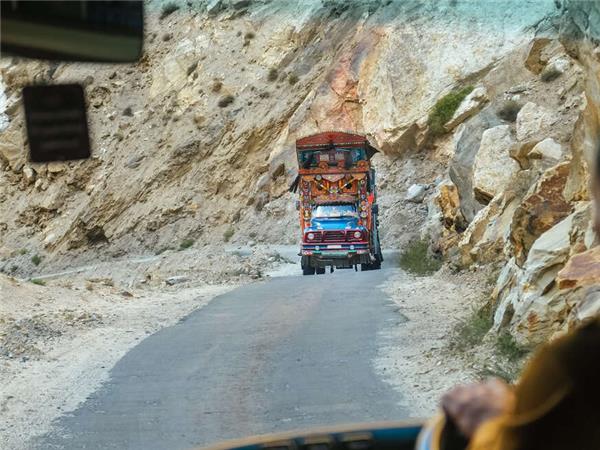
(376, 265)
(320, 270)
(308, 271)
(364, 267)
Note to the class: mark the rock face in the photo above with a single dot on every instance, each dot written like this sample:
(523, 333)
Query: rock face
(493, 166)
(540, 210)
(531, 300)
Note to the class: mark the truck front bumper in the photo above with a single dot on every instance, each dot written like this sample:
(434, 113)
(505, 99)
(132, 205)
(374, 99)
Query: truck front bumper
(338, 255)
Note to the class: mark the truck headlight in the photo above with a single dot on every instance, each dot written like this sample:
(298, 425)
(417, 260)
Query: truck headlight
(310, 236)
(357, 234)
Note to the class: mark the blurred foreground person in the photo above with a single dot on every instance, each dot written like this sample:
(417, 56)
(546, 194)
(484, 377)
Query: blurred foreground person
(556, 403)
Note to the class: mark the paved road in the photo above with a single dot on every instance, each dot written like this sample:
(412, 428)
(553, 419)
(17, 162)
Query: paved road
(288, 353)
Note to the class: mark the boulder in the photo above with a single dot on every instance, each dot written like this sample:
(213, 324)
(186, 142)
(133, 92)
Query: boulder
(493, 167)
(28, 174)
(471, 104)
(548, 150)
(416, 193)
(542, 208)
(534, 120)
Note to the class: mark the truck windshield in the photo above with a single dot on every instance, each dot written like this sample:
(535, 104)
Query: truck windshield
(334, 211)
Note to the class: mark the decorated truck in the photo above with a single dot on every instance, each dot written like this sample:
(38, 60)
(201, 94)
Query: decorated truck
(337, 203)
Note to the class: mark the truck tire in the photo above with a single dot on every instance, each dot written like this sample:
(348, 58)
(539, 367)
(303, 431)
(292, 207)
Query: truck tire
(320, 270)
(364, 267)
(308, 271)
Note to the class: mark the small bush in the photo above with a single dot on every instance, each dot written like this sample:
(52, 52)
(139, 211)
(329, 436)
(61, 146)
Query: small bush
(444, 109)
(38, 282)
(36, 260)
(217, 85)
(416, 259)
(471, 331)
(186, 243)
(226, 101)
(264, 94)
(168, 9)
(293, 78)
(228, 234)
(273, 74)
(23, 251)
(509, 110)
(507, 346)
(249, 35)
(550, 74)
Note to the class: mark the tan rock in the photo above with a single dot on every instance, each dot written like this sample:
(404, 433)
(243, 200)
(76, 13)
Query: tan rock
(541, 209)
(532, 120)
(548, 150)
(534, 61)
(28, 174)
(581, 270)
(57, 167)
(12, 150)
(493, 166)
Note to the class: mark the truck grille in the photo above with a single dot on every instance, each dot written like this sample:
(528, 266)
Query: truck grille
(334, 236)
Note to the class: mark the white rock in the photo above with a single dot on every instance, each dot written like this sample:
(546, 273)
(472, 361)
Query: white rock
(471, 104)
(548, 149)
(415, 193)
(28, 174)
(176, 280)
(493, 166)
(532, 119)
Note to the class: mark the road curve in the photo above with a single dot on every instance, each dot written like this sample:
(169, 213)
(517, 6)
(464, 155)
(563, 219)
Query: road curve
(291, 352)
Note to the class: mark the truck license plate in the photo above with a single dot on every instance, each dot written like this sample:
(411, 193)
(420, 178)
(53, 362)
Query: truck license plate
(334, 246)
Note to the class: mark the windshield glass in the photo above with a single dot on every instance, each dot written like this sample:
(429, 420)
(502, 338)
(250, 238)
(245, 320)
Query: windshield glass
(203, 275)
(334, 211)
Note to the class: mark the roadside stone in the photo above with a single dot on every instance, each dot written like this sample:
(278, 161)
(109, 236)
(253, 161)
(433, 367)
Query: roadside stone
(56, 167)
(534, 61)
(178, 279)
(12, 150)
(415, 193)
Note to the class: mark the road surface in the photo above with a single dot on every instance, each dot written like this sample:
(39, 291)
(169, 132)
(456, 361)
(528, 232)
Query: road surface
(291, 352)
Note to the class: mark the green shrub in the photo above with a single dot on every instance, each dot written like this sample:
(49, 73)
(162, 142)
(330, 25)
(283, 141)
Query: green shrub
(228, 234)
(36, 260)
(417, 260)
(471, 331)
(249, 35)
(507, 347)
(225, 101)
(38, 282)
(273, 74)
(186, 243)
(550, 74)
(509, 110)
(444, 109)
(217, 85)
(293, 78)
(168, 9)
(23, 251)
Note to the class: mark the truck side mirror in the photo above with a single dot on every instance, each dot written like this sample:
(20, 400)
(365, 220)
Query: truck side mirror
(297, 205)
(375, 209)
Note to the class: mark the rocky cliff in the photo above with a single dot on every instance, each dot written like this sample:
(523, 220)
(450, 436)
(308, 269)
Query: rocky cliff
(195, 141)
